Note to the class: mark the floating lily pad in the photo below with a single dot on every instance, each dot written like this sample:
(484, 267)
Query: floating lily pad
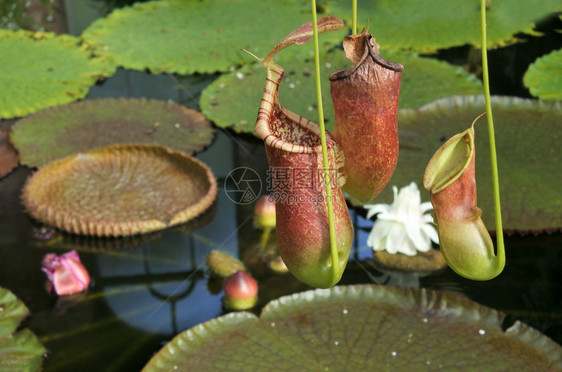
(431, 260)
(196, 36)
(8, 156)
(20, 351)
(61, 131)
(40, 69)
(544, 76)
(425, 26)
(13, 312)
(120, 190)
(527, 149)
(234, 99)
(359, 327)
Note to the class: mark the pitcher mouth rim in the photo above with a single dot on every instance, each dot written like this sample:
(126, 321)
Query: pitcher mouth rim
(272, 140)
(369, 52)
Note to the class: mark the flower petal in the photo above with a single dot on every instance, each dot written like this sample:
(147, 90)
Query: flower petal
(431, 233)
(419, 239)
(395, 239)
(373, 209)
(426, 206)
(408, 248)
(378, 234)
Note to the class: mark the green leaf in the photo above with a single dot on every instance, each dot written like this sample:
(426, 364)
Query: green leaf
(78, 127)
(355, 328)
(425, 26)
(544, 76)
(425, 79)
(8, 155)
(20, 351)
(233, 99)
(528, 156)
(12, 312)
(40, 69)
(196, 36)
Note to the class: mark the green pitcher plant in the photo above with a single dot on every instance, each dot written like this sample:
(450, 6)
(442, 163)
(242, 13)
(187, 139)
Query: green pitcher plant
(294, 152)
(463, 238)
(450, 179)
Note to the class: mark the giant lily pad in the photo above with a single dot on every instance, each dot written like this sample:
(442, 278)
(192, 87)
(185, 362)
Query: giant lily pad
(195, 36)
(527, 149)
(360, 328)
(425, 26)
(544, 76)
(233, 99)
(8, 156)
(61, 131)
(40, 69)
(20, 351)
(120, 190)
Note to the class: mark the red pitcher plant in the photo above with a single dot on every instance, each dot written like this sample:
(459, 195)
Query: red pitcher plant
(365, 99)
(294, 152)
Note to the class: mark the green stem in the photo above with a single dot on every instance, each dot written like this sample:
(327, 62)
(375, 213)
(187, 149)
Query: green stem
(331, 223)
(264, 239)
(493, 157)
(354, 17)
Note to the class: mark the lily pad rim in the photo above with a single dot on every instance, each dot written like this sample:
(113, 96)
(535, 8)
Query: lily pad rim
(87, 226)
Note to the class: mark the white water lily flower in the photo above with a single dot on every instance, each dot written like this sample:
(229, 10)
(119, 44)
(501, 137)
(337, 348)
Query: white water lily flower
(402, 227)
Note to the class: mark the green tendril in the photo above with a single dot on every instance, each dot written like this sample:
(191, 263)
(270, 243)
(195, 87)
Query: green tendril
(493, 156)
(354, 17)
(332, 227)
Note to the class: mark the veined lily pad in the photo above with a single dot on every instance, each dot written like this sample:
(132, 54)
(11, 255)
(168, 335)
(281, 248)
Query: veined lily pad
(195, 36)
(61, 131)
(425, 26)
(233, 99)
(8, 156)
(20, 351)
(527, 148)
(544, 76)
(360, 328)
(40, 69)
(120, 190)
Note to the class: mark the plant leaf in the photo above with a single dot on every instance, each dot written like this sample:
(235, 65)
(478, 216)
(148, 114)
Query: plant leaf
(61, 131)
(12, 312)
(8, 156)
(120, 190)
(528, 158)
(233, 99)
(425, 26)
(194, 36)
(65, 73)
(355, 328)
(544, 76)
(20, 351)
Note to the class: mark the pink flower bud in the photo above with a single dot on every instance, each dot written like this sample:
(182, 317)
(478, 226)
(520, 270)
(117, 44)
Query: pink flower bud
(66, 273)
(265, 212)
(240, 291)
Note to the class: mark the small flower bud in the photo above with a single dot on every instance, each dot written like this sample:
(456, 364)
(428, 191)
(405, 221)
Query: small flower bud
(264, 216)
(66, 273)
(240, 291)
